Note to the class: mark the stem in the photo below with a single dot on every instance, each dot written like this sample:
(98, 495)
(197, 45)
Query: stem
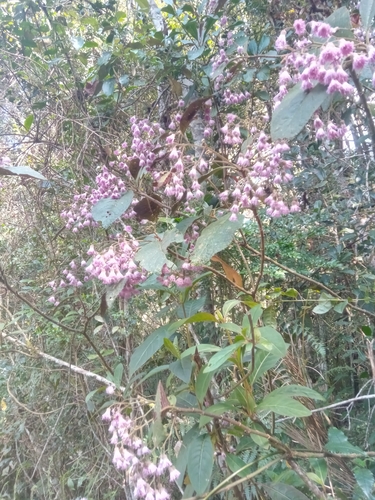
(362, 97)
(306, 278)
(310, 484)
(262, 253)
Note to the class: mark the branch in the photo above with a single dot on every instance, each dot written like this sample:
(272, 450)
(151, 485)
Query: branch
(305, 278)
(60, 362)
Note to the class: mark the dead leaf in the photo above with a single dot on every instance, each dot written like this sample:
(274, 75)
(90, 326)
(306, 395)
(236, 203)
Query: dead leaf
(230, 273)
(191, 111)
(147, 208)
(134, 168)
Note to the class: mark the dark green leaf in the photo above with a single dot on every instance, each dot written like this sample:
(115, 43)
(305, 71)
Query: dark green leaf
(222, 356)
(367, 11)
(195, 53)
(152, 257)
(338, 442)
(202, 384)
(117, 374)
(295, 110)
(215, 238)
(182, 369)
(150, 346)
(108, 87)
(365, 480)
(282, 405)
(200, 463)
(281, 491)
(218, 410)
(190, 307)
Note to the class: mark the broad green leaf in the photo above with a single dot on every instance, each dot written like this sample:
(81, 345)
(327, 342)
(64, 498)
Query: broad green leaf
(190, 307)
(108, 210)
(323, 307)
(280, 347)
(236, 463)
(104, 58)
(314, 477)
(367, 11)
(264, 361)
(117, 374)
(151, 373)
(151, 345)
(78, 42)
(184, 225)
(259, 440)
(282, 405)
(365, 480)
(297, 391)
(222, 356)
(340, 307)
(183, 455)
(340, 18)
(281, 491)
(186, 400)
(256, 313)
(182, 369)
(295, 110)
(291, 292)
(152, 257)
(320, 468)
(229, 305)
(338, 443)
(218, 410)
(22, 171)
(200, 348)
(215, 238)
(200, 317)
(144, 5)
(200, 463)
(202, 384)
(169, 345)
(195, 53)
(28, 122)
(231, 327)
(108, 86)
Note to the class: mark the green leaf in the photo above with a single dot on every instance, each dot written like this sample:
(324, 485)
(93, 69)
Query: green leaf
(279, 346)
(200, 463)
(365, 480)
(153, 372)
(117, 374)
(215, 238)
(202, 384)
(281, 491)
(152, 257)
(182, 369)
(200, 348)
(169, 345)
(195, 53)
(236, 463)
(22, 171)
(183, 455)
(78, 42)
(28, 122)
(259, 440)
(108, 87)
(123, 80)
(282, 405)
(150, 346)
(113, 291)
(104, 58)
(144, 5)
(256, 313)
(221, 357)
(200, 317)
(264, 361)
(340, 307)
(190, 307)
(108, 210)
(186, 400)
(295, 110)
(367, 12)
(297, 391)
(218, 410)
(184, 225)
(340, 18)
(321, 469)
(291, 292)
(323, 307)
(338, 443)
(229, 305)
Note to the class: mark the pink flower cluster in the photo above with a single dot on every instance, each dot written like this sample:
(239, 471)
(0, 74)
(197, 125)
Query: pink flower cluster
(132, 455)
(330, 132)
(182, 277)
(261, 165)
(326, 66)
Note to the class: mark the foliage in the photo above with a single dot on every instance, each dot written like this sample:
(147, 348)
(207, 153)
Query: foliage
(187, 203)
